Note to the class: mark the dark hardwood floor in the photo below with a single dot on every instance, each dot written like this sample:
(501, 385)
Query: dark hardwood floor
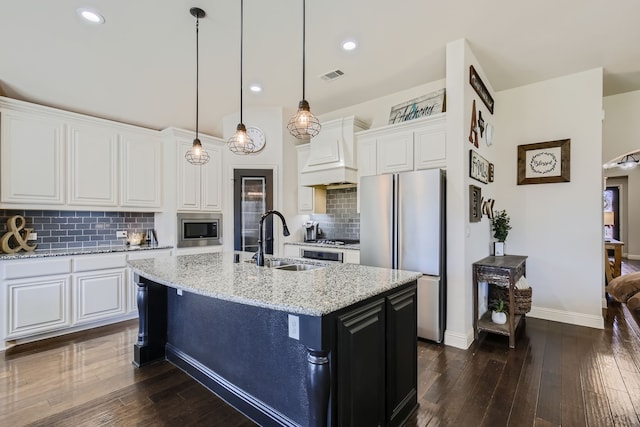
(558, 375)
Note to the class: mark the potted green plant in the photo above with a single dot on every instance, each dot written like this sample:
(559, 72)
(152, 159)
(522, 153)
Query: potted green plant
(499, 311)
(501, 227)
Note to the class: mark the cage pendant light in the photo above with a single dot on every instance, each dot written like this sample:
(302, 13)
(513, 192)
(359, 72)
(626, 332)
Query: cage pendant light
(240, 142)
(304, 125)
(197, 155)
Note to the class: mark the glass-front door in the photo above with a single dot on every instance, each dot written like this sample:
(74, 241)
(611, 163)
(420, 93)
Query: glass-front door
(253, 189)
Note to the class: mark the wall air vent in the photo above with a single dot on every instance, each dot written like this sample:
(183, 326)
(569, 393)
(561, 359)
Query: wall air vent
(332, 75)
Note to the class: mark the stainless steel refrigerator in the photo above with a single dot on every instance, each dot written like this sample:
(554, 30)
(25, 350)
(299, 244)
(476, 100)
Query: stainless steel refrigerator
(402, 226)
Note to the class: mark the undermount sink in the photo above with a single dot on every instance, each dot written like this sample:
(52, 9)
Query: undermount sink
(297, 267)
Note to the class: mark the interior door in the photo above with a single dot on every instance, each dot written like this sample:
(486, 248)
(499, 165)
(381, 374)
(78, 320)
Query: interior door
(252, 196)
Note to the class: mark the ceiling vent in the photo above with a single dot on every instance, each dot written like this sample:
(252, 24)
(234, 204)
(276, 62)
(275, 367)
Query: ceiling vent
(332, 75)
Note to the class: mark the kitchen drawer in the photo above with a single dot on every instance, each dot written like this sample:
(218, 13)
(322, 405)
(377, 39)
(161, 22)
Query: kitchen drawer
(31, 267)
(99, 262)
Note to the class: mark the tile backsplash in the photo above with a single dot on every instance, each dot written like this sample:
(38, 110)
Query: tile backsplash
(78, 229)
(341, 220)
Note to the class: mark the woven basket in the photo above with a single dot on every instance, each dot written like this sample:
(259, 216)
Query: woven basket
(521, 297)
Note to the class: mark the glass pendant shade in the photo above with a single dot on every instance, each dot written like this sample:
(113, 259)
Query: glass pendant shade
(240, 142)
(197, 155)
(304, 125)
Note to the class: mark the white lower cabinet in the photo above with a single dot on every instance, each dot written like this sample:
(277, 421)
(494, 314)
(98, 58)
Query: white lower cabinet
(45, 297)
(38, 305)
(99, 295)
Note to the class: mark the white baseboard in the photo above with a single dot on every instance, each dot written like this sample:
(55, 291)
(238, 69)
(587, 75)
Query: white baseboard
(633, 257)
(572, 318)
(458, 340)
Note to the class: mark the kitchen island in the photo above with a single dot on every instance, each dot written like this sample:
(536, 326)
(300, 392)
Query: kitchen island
(334, 345)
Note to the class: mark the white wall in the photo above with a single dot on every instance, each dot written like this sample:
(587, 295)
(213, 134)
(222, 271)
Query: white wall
(559, 226)
(376, 111)
(621, 127)
(279, 155)
(621, 135)
(466, 242)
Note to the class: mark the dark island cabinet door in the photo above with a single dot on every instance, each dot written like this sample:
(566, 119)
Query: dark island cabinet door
(361, 366)
(402, 357)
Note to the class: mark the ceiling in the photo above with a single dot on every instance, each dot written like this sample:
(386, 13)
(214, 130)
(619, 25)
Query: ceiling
(139, 67)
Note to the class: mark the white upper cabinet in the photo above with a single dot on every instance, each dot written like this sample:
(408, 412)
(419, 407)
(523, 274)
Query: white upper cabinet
(413, 145)
(199, 188)
(141, 169)
(93, 164)
(310, 200)
(416, 144)
(395, 152)
(51, 157)
(32, 158)
(430, 146)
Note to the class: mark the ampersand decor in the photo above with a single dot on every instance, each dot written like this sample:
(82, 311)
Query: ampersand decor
(16, 238)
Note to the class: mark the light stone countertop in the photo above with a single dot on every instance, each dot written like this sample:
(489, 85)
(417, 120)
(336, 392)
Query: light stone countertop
(351, 246)
(312, 292)
(81, 251)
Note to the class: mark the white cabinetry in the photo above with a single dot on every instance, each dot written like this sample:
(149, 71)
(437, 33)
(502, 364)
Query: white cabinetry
(310, 199)
(413, 145)
(141, 166)
(32, 158)
(199, 188)
(44, 297)
(56, 159)
(93, 164)
(395, 152)
(99, 289)
(36, 297)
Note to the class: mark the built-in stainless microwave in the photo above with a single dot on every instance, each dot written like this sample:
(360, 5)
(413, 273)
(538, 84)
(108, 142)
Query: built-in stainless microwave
(199, 229)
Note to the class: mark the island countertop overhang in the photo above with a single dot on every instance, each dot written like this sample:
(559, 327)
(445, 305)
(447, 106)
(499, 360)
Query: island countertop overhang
(315, 292)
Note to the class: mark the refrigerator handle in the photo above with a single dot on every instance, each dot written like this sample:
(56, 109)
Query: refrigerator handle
(395, 233)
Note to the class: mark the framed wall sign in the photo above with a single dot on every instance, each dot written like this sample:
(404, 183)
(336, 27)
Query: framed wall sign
(475, 203)
(544, 162)
(478, 167)
(482, 91)
(432, 103)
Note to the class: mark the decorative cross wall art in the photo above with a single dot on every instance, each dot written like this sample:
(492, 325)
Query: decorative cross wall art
(544, 162)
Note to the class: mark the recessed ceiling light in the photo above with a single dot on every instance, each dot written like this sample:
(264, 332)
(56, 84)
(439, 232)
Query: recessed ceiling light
(255, 88)
(349, 44)
(90, 15)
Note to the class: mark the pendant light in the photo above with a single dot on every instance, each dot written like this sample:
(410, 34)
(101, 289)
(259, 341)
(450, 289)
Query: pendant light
(240, 142)
(304, 125)
(197, 154)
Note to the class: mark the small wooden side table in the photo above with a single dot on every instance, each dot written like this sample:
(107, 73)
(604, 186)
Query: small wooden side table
(500, 270)
(616, 246)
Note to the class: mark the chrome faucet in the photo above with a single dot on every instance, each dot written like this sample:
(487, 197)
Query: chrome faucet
(285, 232)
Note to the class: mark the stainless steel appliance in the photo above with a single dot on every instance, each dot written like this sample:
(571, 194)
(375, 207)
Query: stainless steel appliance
(310, 230)
(322, 255)
(199, 229)
(402, 226)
